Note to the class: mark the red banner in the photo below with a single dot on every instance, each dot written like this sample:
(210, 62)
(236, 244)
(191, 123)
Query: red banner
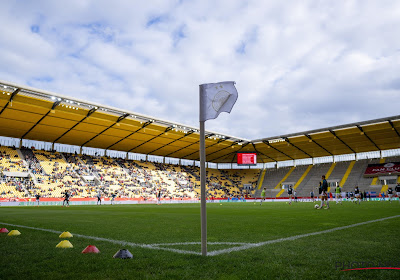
(390, 168)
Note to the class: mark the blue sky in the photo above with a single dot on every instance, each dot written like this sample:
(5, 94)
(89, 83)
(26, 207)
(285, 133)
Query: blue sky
(298, 65)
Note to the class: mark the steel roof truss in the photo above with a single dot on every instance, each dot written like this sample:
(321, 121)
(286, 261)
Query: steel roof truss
(344, 143)
(15, 92)
(309, 137)
(266, 142)
(365, 134)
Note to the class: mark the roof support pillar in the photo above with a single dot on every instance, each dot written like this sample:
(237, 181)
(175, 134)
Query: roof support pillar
(80, 150)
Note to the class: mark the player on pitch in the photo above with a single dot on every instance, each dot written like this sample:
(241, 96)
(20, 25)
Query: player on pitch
(262, 195)
(290, 194)
(338, 194)
(66, 199)
(357, 195)
(159, 196)
(37, 199)
(397, 190)
(324, 193)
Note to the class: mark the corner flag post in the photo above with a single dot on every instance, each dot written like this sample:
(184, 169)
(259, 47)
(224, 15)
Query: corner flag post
(203, 189)
(214, 99)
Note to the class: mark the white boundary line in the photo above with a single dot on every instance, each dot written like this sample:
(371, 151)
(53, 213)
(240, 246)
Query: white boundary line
(244, 246)
(253, 245)
(199, 243)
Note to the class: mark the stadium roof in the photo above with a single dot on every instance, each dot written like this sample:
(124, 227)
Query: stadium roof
(29, 113)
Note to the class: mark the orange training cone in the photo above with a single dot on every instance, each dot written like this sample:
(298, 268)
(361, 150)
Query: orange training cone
(90, 249)
(3, 230)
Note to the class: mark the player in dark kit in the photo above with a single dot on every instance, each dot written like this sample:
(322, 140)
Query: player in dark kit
(112, 198)
(66, 199)
(397, 190)
(37, 199)
(290, 194)
(357, 194)
(99, 198)
(159, 197)
(324, 192)
(390, 194)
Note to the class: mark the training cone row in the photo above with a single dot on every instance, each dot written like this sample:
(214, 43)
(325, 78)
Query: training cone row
(90, 249)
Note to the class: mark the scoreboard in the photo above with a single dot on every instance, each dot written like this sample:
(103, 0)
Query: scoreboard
(246, 158)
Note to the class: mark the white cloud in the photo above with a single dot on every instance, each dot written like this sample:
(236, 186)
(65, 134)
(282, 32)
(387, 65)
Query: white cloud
(298, 65)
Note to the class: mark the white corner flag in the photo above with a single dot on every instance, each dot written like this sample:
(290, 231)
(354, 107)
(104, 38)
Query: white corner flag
(216, 98)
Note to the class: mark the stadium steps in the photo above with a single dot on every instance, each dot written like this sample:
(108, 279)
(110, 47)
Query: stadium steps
(346, 175)
(26, 152)
(261, 179)
(272, 179)
(285, 178)
(303, 176)
(331, 168)
(329, 173)
(311, 182)
(339, 171)
(280, 192)
(21, 155)
(294, 175)
(356, 176)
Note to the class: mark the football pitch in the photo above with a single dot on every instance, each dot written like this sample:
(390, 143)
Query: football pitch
(245, 241)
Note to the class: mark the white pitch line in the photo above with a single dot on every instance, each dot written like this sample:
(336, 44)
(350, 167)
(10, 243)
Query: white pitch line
(120, 242)
(244, 246)
(253, 245)
(199, 243)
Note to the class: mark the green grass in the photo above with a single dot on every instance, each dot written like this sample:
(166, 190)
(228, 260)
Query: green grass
(33, 255)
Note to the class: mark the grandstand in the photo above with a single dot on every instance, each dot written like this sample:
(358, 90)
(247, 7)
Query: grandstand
(88, 148)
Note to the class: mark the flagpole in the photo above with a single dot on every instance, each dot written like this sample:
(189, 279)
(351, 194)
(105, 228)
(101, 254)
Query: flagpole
(203, 190)
(213, 100)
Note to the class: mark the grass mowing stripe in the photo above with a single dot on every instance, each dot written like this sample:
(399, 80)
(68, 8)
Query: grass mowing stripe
(120, 242)
(212, 253)
(253, 245)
